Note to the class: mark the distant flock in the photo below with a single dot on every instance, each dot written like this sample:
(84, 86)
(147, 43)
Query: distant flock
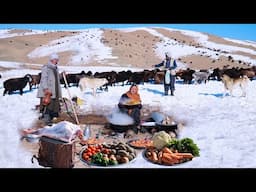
(113, 78)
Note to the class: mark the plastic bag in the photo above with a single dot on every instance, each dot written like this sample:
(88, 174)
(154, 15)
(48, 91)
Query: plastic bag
(63, 131)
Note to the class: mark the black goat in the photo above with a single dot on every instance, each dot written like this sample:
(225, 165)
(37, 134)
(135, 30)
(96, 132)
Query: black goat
(14, 84)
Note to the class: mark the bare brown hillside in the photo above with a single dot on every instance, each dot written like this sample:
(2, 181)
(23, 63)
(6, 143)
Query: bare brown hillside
(133, 48)
(16, 48)
(130, 49)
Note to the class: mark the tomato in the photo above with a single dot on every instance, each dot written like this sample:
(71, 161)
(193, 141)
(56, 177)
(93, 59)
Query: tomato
(86, 157)
(89, 154)
(98, 150)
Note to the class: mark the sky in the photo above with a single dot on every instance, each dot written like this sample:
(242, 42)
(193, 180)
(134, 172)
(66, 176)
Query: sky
(235, 31)
(222, 127)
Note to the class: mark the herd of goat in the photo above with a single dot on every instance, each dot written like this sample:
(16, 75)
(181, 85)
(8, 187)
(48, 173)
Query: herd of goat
(154, 76)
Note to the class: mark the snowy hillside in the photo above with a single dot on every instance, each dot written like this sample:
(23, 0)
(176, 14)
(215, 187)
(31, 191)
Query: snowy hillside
(140, 47)
(222, 127)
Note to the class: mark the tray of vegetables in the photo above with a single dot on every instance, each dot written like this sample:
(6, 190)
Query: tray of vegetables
(140, 143)
(107, 154)
(170, 151)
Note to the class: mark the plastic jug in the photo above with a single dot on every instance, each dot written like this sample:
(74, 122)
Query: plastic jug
(87, 132)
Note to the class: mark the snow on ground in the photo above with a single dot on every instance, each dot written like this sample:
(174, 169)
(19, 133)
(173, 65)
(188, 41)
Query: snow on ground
(8, 64)
(223, 128)
(181, 50)
(86, 46)
(248, 43)
(6, 33)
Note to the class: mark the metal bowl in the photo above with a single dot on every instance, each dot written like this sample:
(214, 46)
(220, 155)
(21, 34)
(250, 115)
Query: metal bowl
(31, 138)
(148, 124)
(97, 165)
(169, 127)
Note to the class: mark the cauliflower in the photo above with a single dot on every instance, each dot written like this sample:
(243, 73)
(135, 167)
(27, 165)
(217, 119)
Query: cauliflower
(161, 139)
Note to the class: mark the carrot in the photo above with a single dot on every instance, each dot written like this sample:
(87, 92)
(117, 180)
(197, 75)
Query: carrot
(167, 150)
(160, 155)
(169, 160)
(173, 155)
(154, 157)
(184, 155)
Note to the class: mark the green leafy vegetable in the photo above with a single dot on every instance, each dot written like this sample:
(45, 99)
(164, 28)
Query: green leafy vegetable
(99, 159)
(185, 145)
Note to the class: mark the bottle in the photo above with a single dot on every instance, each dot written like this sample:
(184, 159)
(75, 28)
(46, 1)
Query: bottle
(87, 132)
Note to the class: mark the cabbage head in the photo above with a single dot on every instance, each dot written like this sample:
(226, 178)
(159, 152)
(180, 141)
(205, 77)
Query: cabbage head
(161, 139)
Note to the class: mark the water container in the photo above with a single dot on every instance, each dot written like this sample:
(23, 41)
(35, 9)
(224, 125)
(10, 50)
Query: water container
(87, 132)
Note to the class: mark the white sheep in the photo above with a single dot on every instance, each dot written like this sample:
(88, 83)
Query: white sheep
(92, 83)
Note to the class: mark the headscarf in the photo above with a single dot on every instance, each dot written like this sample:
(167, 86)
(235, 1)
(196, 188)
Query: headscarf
(134, 97)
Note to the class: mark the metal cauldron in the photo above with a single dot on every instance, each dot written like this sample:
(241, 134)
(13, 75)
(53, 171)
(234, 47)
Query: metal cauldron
(120, 128)
(169, 127)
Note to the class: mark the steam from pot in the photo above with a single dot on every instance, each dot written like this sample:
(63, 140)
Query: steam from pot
(118, 118)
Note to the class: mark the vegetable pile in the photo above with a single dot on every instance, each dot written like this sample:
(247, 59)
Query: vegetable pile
(166, 156)
(141, 143)
(108, 154)
(161, 139)
(173, 152)
(185, 145)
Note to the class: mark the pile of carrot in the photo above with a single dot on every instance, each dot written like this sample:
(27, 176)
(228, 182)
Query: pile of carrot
(166, 156)
(142, 143)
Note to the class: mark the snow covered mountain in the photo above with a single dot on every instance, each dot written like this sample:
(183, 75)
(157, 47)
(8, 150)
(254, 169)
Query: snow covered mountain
(126, 47)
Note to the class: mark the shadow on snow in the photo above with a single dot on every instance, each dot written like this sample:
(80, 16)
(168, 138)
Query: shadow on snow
(212, 94)
(154, 91)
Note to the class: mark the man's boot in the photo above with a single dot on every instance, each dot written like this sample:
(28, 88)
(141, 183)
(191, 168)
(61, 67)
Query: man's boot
(47, 119)
(172, 93)
(135, 129)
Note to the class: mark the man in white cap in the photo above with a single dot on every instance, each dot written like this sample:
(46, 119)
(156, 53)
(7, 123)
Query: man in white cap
(49, 90)
(169, 65)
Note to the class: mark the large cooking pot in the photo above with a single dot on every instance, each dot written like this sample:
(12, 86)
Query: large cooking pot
(120, 128)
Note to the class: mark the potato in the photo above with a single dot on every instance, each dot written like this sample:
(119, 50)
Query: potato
(113, 151)
(130, 157)
(112, 157)
(122, 153)
(124, 160)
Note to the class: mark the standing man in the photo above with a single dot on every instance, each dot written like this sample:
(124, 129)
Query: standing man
(169, 65)
(49, 90)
